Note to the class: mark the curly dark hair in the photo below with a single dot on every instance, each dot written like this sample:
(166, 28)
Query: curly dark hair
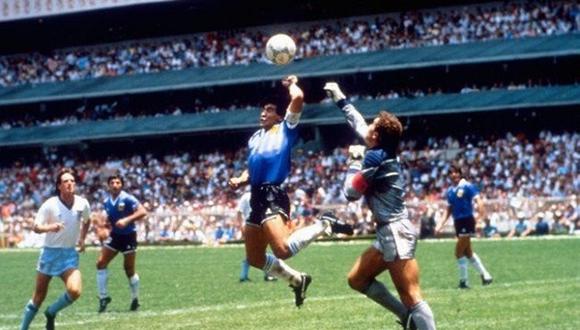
(116, 176)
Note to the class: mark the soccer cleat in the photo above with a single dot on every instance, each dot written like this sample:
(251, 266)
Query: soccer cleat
(337, 226)
(463, 285)
(300, 290)
(49, 320)
(486, 281)
(245, 279)
(103, 302)
(269, 278)
(134, 305)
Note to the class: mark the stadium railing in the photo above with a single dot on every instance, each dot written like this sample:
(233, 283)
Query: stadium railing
(392, 59)
(319, 114)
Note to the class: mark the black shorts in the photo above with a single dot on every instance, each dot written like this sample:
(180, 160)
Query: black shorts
(122, 243)
(266, 202)
(464, 227)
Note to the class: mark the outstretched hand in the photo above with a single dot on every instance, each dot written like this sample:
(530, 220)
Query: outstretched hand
(333, 91)
(290, 80)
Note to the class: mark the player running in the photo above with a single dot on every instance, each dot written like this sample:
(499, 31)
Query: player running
(268, 167)
(377, 176)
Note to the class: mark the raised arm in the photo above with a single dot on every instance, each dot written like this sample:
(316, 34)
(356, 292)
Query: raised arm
(353, 117)
(296, 94)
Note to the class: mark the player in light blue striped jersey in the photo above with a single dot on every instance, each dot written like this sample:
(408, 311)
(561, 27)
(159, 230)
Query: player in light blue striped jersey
(268, 167)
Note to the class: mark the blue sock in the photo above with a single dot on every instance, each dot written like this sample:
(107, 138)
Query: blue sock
(245, 269)
(29, 314)
(63, 301)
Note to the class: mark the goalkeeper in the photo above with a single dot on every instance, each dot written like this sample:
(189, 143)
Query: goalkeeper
(376, 174)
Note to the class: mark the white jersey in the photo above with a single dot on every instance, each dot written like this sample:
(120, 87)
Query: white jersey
(244, 205)
(53, 211)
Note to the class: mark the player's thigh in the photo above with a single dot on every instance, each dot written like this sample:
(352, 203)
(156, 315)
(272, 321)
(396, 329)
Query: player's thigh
(276, 232)
(463, 246)
(41, 288)
(405, 276)
(367, 266)
(73, 282)
(105, 257)
(256, 244)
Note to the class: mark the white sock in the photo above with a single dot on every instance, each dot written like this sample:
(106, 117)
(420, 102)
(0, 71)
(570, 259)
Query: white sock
(134, 286)
(478, 265)
(304, 236)
(279, 268)
(462, 264)
(423, 316)
(102, 278)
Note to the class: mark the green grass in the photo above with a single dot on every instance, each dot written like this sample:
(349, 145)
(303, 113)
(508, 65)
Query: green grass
(537, 286)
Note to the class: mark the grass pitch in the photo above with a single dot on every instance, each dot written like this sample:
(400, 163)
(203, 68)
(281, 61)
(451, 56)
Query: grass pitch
(536, 286)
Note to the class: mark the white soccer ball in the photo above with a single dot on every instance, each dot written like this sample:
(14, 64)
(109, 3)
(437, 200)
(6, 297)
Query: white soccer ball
(280, 49)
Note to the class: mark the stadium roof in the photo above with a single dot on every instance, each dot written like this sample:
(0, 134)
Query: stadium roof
(479, 52)
(326, 114)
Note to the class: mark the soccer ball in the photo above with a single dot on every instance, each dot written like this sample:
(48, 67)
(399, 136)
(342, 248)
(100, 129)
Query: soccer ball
(280, 49)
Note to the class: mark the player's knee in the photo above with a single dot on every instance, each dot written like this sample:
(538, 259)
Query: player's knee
(356, 283)
(257, 261)
(74, 293)
(282, 253)
(411, 296)
(38, 298)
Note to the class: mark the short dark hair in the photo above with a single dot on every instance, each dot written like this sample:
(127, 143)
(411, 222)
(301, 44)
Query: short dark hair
(281, 112)
(456, 169)
(116, 176)
(390, 130)
(62, 172)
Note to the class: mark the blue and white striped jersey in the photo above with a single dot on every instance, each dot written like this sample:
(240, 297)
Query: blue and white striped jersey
(269, 159)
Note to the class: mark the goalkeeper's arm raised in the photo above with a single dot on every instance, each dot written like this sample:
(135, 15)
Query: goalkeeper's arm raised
(353, 117)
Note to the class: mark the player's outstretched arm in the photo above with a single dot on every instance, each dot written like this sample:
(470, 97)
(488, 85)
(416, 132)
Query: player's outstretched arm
(296, 94)
(353, 117)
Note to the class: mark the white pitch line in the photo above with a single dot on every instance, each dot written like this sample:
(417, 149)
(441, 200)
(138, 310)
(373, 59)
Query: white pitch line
(326, 243)
(93, 317)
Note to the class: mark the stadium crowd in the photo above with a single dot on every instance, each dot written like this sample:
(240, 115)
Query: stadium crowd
(114, 110)
(408, 29)
(189, 199)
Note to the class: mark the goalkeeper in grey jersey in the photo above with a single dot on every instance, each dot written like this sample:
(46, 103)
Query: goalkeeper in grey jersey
(376, 175)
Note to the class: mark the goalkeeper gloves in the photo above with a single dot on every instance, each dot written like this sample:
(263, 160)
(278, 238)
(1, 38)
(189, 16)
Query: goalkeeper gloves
(333, 91)
(356, 152)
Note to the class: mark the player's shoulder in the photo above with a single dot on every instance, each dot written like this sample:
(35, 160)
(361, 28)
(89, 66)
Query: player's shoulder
(257, 133)
(463, 183)
(50, 202)
(374, 157)
(125, 195)
(81, 200)
(128, 197)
